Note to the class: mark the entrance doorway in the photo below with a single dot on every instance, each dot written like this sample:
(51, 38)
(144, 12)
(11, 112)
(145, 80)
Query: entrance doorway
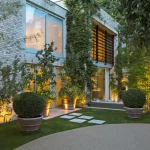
(98, 92)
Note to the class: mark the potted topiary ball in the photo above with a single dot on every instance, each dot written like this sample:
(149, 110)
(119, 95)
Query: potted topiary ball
(29, 106)
(134, 100)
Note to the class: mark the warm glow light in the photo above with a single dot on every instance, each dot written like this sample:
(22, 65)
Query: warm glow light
(124, 80)
(145, 86)
(65, 106)
(6, 113)
(114, 97)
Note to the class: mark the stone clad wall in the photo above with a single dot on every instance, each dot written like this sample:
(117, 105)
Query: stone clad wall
(11, 45)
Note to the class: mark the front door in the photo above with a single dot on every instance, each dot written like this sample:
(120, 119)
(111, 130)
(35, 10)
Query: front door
(98, 92)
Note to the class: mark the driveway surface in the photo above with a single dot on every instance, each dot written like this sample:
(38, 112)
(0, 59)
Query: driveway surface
(99, 137)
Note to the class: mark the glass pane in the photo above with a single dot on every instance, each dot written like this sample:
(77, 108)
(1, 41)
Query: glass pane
(98, 92)
(35, 28)
(55, 33)
(58, 85)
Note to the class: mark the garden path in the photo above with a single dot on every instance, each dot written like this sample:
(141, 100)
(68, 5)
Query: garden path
(99, 137)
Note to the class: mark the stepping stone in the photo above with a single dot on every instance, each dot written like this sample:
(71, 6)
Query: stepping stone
(85, 117)
(96, 121)
(67, 117)
(75, 114)
(78, 120)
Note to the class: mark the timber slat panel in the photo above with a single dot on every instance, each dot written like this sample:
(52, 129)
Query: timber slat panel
(103, 46)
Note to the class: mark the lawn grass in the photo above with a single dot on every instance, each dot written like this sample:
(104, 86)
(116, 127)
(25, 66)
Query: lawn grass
(11, 137)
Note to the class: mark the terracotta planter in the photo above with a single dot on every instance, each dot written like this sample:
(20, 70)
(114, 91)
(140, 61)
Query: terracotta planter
(46, 110)
(69, 104)
(134, 112)
(30, 124)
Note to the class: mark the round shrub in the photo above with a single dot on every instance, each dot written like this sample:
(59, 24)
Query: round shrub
(28, 105)
(134, 98)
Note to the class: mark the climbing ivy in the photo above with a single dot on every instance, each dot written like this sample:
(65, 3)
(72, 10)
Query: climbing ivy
(79, 66)
(13, 77)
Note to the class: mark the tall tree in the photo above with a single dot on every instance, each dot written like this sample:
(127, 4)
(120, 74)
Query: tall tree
(134, 30)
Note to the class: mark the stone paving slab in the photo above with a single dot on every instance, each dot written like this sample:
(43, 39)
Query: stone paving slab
(75, 114)
(67, 117)
(77, 120)
(96, 121)
(86, 117)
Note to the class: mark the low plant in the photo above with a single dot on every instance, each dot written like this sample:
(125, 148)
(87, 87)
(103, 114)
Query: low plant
(81, 100)
(13, 77)
(134, 98)
(68, 90)
(28, 105)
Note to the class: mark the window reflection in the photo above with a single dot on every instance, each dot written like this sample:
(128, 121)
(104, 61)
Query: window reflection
(42, 28)
(55, 33)
(35, 28)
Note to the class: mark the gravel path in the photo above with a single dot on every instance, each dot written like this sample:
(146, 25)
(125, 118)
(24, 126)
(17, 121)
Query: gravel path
(99, 137)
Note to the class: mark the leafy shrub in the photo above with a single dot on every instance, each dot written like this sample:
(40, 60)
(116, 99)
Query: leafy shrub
(28, 105)
(68, 89)
(134, 98)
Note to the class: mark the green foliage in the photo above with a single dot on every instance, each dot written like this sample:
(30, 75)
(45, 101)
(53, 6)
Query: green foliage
(116, 78)
(134, 98)
(44, 77)
(28, 105)
(111, 8)
(68, 90)
(79, 66)
(12, 138)
(11, 75)
(134, 31)
(133, 17)
(81, 100)
(138, 62)
(136, 24)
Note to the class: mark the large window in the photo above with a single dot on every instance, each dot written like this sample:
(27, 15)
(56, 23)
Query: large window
(103, 46)
(35, 28)
(55, 32)
(42, 28)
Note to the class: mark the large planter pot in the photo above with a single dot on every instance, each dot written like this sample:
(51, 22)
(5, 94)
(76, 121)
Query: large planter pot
(46, 110)
(30, 124)
(69, 104)
(134, 112)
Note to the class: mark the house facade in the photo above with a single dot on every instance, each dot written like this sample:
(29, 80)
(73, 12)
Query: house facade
(41, 21)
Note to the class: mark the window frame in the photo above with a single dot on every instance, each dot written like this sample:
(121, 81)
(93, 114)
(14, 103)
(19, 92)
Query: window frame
(47, 13)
